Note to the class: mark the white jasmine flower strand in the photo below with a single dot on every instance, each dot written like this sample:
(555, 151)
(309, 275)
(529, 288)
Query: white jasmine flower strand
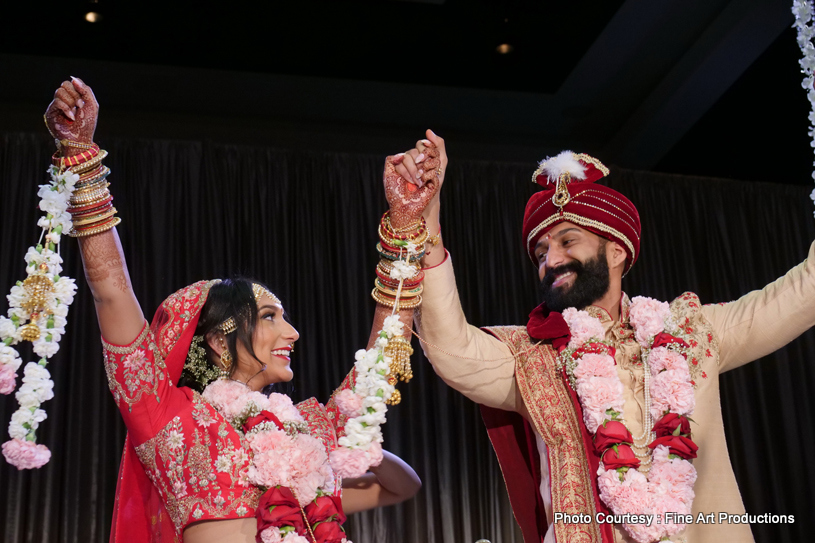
(803, 11)
(38, 311)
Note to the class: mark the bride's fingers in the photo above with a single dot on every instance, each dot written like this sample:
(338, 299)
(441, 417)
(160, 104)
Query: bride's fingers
(431, 165)
(66, 110)
(69, 89)
(413, 169)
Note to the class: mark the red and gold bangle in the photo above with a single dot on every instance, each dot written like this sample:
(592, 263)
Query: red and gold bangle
(90, 197)
(405, 294)
(91, 210)
(94, 218)
(407, 283)
(386, 234)
(96, 229)
(89, 152)
(386, 231)
(76, 144)
(391, 290)
(390, 302)
(87, 208)
(84, 167)
(99, 173)
(386, 220)
(88, 188)
(386, 224)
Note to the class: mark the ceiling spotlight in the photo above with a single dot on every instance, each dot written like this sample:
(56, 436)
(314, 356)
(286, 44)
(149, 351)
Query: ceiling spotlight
(504, 48)
(93, 17)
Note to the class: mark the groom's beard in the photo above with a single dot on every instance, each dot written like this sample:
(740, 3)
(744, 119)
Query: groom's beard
(591, 282)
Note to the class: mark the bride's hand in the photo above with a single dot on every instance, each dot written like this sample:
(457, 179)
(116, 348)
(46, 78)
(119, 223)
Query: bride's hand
(413, 179)
(73, 112)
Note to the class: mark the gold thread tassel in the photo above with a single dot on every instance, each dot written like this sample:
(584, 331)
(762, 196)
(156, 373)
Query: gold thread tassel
(399, 351)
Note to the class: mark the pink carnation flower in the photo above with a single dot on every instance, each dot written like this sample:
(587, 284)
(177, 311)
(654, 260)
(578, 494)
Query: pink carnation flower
(349, 403)
(582, 327)
(224, 392)
(8, 379)
(349, 463)
(271, 465)
(375, 453)
(597, 394)
(672, 390)
(595, 365)
(293, 537)
(271, 535)
(665, 503)
(647, 316)
(25, 454)
(283, 408)
(662, 358)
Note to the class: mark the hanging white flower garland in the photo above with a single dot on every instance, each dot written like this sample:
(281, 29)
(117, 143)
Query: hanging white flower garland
(38, 311)
(803, 11)
(366, 404)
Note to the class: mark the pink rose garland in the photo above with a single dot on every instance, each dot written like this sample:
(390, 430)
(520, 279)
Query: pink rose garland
(282, 457)
(669, 484)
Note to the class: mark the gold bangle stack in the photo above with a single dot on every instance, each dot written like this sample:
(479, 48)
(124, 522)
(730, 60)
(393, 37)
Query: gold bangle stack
(91, 205)
(393, 245)
(398, 294)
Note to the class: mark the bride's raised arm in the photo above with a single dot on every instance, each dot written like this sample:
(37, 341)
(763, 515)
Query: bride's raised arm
(71, 118)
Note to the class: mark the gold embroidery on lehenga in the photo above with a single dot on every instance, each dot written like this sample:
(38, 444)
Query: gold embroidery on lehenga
(183, 469)
(320, 427)
(132, 370)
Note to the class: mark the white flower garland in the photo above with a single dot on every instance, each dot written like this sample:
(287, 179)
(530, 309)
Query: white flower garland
(803, 11)
(366, 404)
(43, 298)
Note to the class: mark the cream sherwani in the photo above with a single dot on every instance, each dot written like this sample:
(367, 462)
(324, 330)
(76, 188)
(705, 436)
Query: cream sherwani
(499, 373)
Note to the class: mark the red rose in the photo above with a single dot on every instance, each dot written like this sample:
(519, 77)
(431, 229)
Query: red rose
(263, 416)
(620, 456)
(278, 508)
(663, 340)
(325, 508)
(667, 425)
(610, 433)
(678, 445)
(328, 532)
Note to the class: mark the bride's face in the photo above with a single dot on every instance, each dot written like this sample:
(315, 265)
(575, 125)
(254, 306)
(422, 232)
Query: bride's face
(272, 342)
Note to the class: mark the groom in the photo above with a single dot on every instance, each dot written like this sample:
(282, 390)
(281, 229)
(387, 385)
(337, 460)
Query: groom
(584, 237)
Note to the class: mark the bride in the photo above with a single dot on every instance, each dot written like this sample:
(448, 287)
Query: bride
(208, 457)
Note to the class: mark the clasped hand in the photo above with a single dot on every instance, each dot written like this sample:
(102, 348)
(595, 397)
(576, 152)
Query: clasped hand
(413, 180)
(73, 112)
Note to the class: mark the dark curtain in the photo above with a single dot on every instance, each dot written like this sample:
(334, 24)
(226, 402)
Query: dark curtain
(305, 223)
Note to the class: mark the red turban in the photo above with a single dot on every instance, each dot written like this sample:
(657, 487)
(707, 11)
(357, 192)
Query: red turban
(573, 196)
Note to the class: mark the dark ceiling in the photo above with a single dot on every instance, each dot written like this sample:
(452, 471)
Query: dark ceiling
(701, 87)
(450, 43)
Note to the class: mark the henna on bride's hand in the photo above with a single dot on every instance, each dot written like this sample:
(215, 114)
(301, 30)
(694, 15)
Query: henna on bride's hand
(103, 260)
(73, 100)
(407, 201)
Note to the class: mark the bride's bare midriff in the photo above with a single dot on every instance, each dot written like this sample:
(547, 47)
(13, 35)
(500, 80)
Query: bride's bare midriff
(239, 530)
